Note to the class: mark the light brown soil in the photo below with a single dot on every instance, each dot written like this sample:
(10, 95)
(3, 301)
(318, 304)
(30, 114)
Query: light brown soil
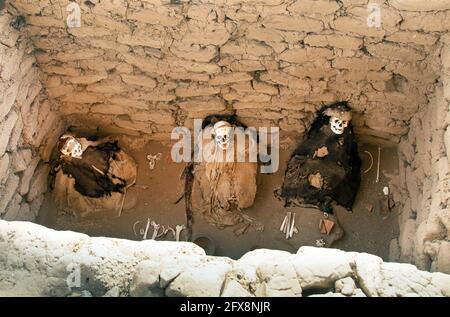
(158, 189)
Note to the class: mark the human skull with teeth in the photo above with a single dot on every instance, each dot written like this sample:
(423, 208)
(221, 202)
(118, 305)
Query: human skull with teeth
(339, 119)
(222, 134)
(72, 147)
(338, 125)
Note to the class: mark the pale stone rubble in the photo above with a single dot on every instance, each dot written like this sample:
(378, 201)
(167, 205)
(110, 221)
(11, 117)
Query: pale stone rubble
(270, 61)
(37, 261)
(29, 126)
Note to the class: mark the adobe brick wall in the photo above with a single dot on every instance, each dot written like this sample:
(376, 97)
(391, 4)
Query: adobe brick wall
(28, 126)
(425, 180)
(146, 66)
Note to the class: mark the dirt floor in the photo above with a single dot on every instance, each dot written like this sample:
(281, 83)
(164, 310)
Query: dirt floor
(368, 229)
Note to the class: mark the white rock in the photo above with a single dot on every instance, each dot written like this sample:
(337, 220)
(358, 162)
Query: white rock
(166, 250)
(204, 280)
(279, 279)
(168, 274)
(113, 292)
(441, 281)
(85, 293)
(234, 289)
(146, 280)
(358, 293)
(401, 279)
(329, 294)
(321, 267)
(263, 256)
(248, 264)
(345, 286)
(368, 271)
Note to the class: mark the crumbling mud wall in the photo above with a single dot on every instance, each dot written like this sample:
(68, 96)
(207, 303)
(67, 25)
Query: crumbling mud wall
(28, 125)
(425, 180)
(36, 261)
(145, 66)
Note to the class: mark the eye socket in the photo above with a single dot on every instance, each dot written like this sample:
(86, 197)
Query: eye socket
(335, 120)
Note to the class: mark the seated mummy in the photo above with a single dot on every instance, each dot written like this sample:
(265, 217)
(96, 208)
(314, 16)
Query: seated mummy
(223, 185)
(91, 176)
(326, 165)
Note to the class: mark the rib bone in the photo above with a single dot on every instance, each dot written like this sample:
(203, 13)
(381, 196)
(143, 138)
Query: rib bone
(170, 229)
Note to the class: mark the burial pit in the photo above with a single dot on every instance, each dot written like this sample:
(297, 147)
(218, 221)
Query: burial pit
(133, 70)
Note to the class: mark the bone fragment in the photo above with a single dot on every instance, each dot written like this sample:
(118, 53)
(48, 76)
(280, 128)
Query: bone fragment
(170, 229)
(291, 229)
(283, 224)
(288, 225)
(146, 229)
(378, 164)
(178, 231)
(155, 229)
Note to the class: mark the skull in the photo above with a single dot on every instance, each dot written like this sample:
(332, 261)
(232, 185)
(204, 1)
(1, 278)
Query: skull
(72, 147)
(222, 134)
(338, 125)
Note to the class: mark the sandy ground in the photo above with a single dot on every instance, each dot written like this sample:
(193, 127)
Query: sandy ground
(158, 189)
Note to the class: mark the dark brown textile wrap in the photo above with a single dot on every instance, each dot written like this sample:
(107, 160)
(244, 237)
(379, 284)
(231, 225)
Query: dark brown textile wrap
(324, 167)
(91, 171)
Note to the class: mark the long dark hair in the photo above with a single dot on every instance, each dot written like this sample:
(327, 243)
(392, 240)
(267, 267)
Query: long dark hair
(214, 118)
(323, 119)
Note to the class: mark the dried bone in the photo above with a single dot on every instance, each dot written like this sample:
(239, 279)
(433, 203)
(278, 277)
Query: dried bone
(179, 229)
(156, 227)
(146, 229)
(171, 230)
(291, 229)
(283, 225)
(378, 165)
(152, 159)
